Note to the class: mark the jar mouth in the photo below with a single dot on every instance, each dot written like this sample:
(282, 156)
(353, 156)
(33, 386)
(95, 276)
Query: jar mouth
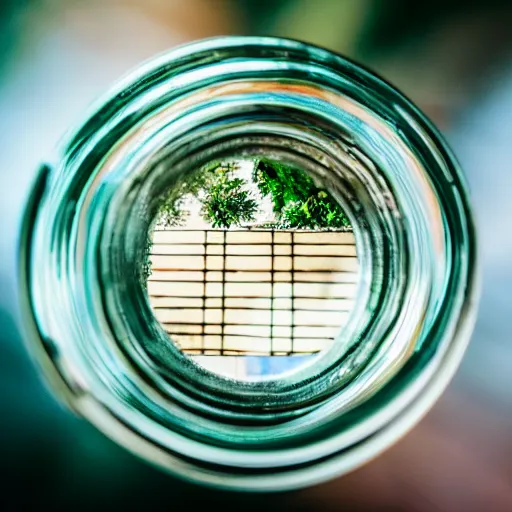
(353, 133)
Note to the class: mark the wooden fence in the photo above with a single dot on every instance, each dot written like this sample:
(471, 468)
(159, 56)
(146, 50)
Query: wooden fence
(252, 292)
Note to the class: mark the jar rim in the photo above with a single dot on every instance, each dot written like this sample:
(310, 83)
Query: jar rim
(349, 97)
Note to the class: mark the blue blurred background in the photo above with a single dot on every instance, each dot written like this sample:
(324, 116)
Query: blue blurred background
(452, 57)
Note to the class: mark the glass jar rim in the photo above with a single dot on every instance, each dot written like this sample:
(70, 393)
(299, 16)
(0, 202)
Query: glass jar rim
(195, 86)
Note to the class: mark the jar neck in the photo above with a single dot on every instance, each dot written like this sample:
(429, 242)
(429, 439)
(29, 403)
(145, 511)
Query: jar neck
(302, 106)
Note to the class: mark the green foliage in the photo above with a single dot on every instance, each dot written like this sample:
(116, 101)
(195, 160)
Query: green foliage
(227, 204)
(297, 201)
(225, 200)
(172, 212)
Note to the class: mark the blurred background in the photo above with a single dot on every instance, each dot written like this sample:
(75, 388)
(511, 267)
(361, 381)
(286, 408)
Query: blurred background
(452, 57)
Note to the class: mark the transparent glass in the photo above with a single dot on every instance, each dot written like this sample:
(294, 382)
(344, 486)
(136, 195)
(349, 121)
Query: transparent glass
(89, 321)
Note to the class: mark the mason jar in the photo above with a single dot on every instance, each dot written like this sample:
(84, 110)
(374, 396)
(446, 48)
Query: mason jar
(91, 328)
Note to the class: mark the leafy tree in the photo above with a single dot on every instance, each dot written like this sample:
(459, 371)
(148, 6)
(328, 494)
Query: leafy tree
(172, 212)
(225, 200)
(297, 201)
(227, 204)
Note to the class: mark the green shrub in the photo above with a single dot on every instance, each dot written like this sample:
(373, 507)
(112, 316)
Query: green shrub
(297, 201)
(225, 200)
(227, 203)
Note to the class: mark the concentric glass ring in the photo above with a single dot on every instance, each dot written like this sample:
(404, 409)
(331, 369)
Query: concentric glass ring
(91, 323)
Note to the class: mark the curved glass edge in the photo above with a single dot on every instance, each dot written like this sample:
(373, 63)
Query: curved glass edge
(323, 471)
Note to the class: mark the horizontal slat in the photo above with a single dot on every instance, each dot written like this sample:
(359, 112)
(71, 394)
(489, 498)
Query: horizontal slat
(183, 328)
(248, 237)
(255, 331)
(248, 262)
(248, 290)
(177, 262)
(173, 276)
(257, 304)
(331, 277)
(189, 316)
(249, 345)
(247, 316)
(324, 290)
(310, 263)
(248, 276)
(177, 302)
(170, 249)
(176, 289)
(180, 235)
(250, 331)
(251, 276)
(251, 250)
(329, 237)
(323, 250)
(324, 304)
(158, 289)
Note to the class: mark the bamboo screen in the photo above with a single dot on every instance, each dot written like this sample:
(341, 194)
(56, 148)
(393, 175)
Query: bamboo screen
(257, 292)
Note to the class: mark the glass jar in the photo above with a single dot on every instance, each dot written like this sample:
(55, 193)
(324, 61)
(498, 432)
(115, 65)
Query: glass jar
(88, 319)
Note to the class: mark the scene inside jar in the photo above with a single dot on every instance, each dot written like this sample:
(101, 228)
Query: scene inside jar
(251, 268)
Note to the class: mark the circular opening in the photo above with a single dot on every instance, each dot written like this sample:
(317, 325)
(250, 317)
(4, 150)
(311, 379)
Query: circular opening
(252, 104)
(251, 268)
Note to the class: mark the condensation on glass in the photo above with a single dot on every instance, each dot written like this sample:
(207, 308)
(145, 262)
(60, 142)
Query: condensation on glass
(90, 316)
